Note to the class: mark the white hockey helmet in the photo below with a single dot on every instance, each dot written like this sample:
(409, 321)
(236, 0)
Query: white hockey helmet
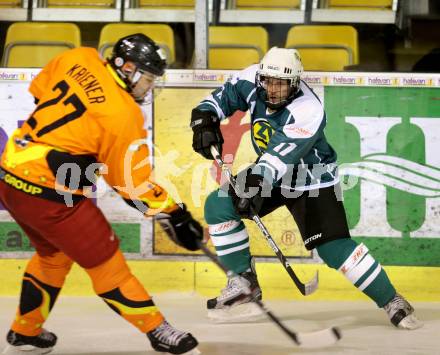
(280, 63)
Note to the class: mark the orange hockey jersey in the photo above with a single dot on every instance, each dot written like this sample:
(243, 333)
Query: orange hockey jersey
(83, 117)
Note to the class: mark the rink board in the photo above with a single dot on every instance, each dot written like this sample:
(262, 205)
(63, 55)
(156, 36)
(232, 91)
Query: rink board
(416, 283)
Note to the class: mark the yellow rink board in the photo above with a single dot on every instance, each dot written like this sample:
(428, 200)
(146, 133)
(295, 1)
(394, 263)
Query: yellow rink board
(416, 283)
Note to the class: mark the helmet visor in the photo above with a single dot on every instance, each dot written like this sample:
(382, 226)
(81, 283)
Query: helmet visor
(143, 84)
(277, 90)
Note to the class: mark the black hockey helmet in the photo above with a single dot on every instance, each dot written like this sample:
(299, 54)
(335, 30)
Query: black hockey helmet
(140, 50)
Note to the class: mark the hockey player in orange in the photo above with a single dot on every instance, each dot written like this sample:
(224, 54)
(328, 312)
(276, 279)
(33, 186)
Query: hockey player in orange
(87, 120)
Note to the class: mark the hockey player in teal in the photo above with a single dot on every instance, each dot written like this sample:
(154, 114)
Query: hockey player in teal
(296, 168)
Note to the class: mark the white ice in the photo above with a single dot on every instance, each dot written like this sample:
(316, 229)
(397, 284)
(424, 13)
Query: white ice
(87, 326)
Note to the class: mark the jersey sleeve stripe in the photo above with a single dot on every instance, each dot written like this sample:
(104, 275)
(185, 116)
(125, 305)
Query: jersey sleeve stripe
(212, 102)
(250, 95)
(275, 163)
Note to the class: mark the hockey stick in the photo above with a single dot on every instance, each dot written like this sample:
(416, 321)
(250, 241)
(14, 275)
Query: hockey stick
(317, 339)
(307, 288)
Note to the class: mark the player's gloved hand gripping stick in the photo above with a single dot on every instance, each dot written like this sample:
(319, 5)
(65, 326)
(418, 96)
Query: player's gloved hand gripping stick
(305, 288)
(316, 339)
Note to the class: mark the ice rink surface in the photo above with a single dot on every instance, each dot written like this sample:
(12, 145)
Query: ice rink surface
(87, 326)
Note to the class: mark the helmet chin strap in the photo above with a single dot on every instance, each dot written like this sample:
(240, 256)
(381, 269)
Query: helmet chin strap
(141, 98)
(278, 105)
(115, 76)
(127, 83)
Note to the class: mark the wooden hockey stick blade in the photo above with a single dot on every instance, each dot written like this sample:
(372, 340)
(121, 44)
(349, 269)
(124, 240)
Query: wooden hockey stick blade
(319, 338)
(316, 339)
(312, 285)
(305, 288)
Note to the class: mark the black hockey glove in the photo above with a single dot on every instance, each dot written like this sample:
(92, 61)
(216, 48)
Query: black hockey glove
(206, 128)
(248, 201)
(181, 228)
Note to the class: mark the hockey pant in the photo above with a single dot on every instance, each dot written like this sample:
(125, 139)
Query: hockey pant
(61, 235)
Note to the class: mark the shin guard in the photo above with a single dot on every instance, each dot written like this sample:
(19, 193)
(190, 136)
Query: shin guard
(124, 294)
(368, 275)
(42, 282)
(359, 267)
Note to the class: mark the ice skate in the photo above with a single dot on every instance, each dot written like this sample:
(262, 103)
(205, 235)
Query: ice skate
(401, 313)
(167, 339)
(235, 303)
(21, 344)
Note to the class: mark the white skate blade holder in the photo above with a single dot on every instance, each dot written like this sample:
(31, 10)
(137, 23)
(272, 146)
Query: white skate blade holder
(25, 349)
(410, 322)
(246, 312)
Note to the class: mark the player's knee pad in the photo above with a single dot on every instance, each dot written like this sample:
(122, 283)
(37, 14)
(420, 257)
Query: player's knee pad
(123, 293)
(51, 270)
(219, 208)
(111, 274)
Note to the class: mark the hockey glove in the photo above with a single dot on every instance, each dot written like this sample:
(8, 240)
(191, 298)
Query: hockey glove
(248, 201)
(206, 132)
(181, 228)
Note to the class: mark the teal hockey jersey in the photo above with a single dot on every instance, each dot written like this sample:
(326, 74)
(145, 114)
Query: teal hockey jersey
(292, 149)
